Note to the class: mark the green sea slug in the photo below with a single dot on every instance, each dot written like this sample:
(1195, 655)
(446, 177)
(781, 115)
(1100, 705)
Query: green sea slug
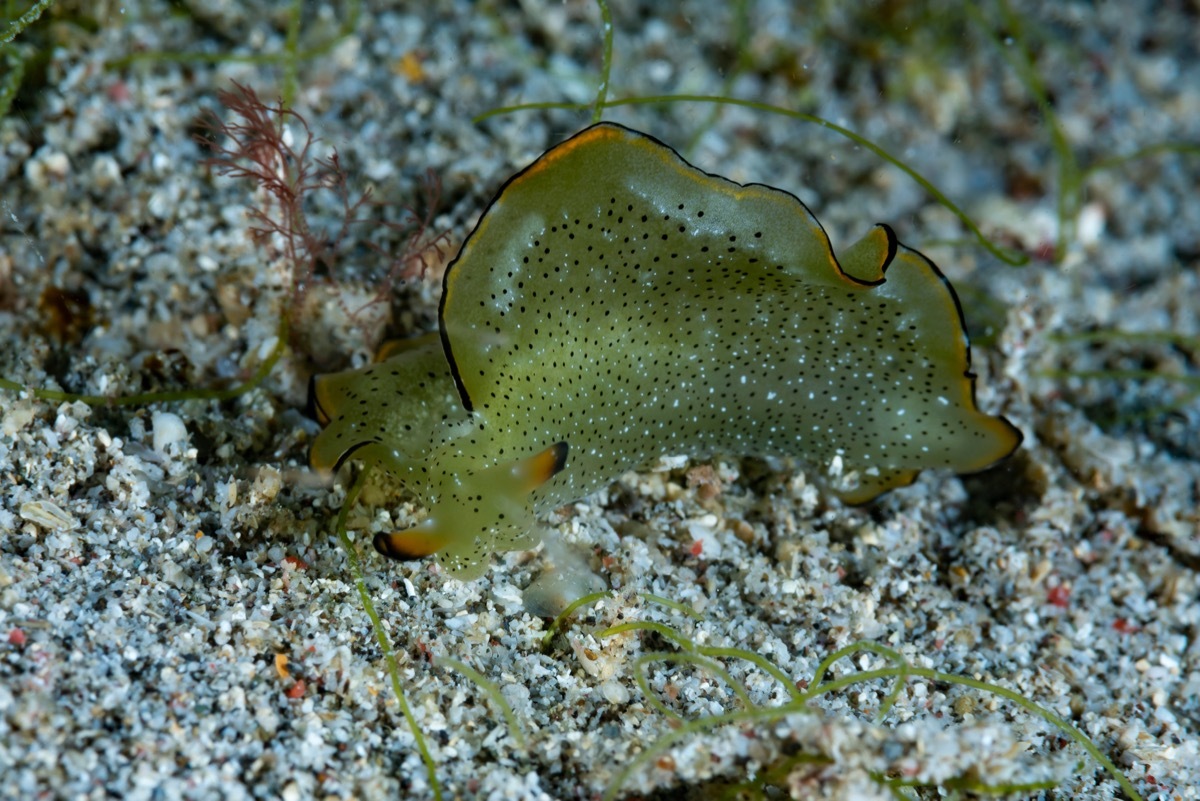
(614, 305)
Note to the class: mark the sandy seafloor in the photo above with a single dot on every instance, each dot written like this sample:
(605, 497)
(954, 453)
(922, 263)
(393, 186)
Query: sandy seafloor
(158, 563)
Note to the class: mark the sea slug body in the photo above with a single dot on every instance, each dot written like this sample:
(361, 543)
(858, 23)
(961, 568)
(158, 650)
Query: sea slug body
(614, 305)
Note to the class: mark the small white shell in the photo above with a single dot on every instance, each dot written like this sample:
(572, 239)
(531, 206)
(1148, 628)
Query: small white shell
(47, 515)
(168, 429)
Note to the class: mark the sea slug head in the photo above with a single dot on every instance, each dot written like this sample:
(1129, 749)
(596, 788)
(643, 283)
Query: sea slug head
(403, 415)
(474, 511)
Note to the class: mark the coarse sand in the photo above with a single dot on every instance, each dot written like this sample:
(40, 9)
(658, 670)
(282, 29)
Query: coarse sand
(178, 620)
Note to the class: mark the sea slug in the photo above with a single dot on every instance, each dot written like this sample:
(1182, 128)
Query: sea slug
(616, 304)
